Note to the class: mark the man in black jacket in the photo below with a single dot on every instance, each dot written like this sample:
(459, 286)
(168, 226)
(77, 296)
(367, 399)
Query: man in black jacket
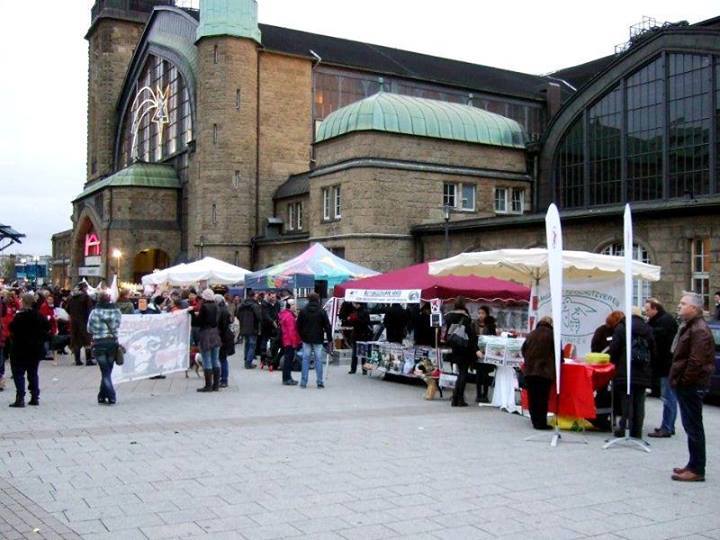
(315, 330)
(29, 331)
(249, 315)
(664, 329)
(270, 310)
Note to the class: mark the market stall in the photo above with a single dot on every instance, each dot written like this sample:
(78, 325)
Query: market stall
(209, 269)
(324, 268)
(412, 285)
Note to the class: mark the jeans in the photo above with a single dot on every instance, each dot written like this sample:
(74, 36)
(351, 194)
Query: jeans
(106, 362)
(250, 342)
(224, 370)
(19, 371)
(319, 351)
(669, 405)
(690, 400)
(211, 358)
(289, 355)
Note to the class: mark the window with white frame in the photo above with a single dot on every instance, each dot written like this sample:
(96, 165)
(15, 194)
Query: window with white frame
(700, 269)
(326, 203)
(298, 216)
(641, 288)
(509, 200)
(291, 217)
(460, 196)
(338, 202)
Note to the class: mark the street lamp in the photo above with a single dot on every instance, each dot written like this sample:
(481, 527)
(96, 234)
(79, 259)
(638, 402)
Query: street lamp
(117, 254)
(446, 217)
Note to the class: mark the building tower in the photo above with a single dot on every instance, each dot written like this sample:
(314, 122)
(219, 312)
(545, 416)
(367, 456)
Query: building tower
(222, 186)
(114, 33)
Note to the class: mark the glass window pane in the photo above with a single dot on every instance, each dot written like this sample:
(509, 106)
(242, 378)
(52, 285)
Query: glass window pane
(468, 198)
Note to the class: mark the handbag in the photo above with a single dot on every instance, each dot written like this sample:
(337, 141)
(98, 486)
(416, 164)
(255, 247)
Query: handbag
(457, 335)
(119, 350)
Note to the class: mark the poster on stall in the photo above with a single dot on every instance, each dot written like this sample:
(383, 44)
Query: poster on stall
(383, 296)
(154, 345)
(585, 306)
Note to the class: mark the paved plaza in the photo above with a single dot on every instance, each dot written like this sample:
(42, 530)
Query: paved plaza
(360, 459)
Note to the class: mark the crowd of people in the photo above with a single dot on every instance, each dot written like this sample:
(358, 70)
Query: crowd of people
(41, 324)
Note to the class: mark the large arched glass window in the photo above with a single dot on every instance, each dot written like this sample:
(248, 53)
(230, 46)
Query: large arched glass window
(647, 138)
(158, 122)
(641, 288)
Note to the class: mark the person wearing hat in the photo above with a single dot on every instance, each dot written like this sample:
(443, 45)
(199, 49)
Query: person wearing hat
(643, 353)
(209, 341)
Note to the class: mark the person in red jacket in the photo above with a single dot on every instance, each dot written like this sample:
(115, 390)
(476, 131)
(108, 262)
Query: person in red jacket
(290, 340)
(46, 308)
(8, 307)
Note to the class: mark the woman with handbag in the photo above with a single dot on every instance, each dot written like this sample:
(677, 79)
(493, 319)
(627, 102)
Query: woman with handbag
(461, 336)
(103, 325)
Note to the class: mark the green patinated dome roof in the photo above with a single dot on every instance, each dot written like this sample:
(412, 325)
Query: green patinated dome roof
(421, 117)
(142, 175)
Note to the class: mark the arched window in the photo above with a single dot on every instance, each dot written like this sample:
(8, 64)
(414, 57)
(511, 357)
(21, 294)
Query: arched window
(641, 288)
(658, 119)
(158, 122)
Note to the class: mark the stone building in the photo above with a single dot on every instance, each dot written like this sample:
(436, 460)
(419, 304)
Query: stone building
(212, 134)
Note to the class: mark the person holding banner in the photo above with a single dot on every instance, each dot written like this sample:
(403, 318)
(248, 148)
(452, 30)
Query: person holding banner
(642, 353)
(693, 365)
(103, 325)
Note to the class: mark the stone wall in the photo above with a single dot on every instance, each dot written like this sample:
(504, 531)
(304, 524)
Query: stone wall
(111, 46)
(666, 240)
(285, 123)
(221, 208)
(366, 144)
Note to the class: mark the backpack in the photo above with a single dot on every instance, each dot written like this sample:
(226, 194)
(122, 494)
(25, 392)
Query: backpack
(639, 352)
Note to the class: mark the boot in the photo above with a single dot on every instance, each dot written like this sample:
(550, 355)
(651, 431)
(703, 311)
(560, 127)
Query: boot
(34, 401)
(208, 382)
(215, 379)
(19, 402)
(76, 352)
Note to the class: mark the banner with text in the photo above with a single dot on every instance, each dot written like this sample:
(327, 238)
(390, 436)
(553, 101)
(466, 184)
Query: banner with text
(585, 306)
(154, 345)
(383, 296)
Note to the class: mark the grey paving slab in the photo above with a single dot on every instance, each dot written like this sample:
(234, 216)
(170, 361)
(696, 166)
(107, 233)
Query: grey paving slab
(362, 459)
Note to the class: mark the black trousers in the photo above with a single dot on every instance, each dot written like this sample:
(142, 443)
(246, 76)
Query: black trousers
(482, 373)
(538, 389)
(354, 361)
(690, 401)
(459, 391)
(289, 355)
(21, 369)
(633, 409)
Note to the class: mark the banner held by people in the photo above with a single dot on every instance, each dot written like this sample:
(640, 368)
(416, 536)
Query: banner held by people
(154, 345)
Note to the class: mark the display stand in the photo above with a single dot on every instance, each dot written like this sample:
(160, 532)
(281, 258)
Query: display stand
(627, 440)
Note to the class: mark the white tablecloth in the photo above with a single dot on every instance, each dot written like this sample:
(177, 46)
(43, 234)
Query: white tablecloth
(504, 389)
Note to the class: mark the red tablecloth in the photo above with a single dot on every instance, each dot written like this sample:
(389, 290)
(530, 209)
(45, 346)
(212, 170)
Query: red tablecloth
(578, 382)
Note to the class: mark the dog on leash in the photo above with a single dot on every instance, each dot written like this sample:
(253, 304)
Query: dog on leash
(195, 364)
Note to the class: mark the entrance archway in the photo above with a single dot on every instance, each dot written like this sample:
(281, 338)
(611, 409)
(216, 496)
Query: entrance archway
(87, 251)
(148, 260)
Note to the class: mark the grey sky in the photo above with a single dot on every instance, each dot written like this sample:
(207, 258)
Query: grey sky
(44, 84)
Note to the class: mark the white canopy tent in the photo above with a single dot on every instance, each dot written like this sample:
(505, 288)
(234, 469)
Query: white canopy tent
(527, 266)
(214, 271)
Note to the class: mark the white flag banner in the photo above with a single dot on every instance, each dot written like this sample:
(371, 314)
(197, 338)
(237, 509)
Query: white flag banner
(553, 233)
(585, 306)
(628, 236)
(154, 345)
(383, 296)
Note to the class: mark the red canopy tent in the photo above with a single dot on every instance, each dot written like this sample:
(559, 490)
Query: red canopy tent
(417, 277)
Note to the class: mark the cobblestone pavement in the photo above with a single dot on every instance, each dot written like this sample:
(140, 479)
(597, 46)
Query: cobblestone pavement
(360, 459)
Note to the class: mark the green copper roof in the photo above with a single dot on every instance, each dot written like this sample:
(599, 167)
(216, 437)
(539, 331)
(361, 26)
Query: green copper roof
(421, 117)
(143, 175)
(229, 18)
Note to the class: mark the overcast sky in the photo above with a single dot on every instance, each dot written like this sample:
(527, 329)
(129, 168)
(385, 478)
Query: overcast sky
(43, 57)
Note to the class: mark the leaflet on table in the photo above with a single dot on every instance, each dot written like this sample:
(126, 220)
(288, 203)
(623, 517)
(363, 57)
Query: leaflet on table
(502, 351)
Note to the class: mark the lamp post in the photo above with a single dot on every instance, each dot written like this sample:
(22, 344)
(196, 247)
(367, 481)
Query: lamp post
(117, 254)
(446, 217)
